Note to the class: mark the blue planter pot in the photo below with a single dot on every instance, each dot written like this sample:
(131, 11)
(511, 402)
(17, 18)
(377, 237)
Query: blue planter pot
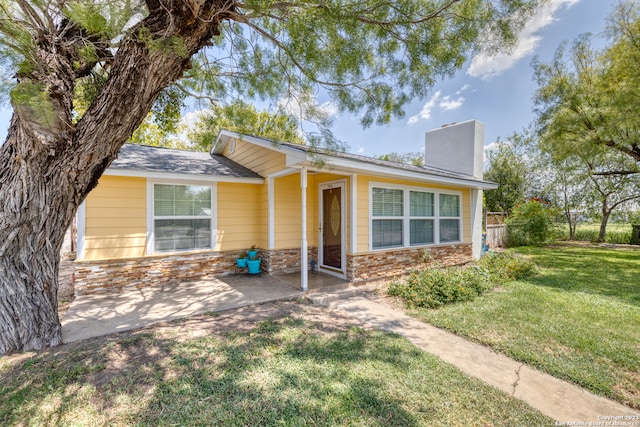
(241, 262)
(252, 254)
(254, 266)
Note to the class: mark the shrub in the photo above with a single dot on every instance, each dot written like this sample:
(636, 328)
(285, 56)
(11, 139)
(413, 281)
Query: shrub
(434, 287)
(530, 223)
(507, 266)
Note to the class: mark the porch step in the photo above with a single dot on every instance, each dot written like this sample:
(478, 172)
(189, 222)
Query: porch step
(325, 298)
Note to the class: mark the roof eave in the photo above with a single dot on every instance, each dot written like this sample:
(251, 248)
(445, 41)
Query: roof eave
(390, 172)
(293, 156)
(181, 176)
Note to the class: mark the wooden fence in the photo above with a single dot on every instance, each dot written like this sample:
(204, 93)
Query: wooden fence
(496, 228)
(496, 235)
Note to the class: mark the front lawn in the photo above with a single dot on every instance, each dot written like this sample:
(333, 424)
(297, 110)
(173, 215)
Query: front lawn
(578, 319)
(298, 366)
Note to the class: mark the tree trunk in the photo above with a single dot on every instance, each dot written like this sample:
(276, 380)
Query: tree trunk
(603, 224)
(37, 210)
(46, 171)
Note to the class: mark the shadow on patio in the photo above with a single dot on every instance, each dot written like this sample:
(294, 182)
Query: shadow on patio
(96, 315)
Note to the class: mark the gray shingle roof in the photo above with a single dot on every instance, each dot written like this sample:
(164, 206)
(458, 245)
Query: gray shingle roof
(168, 160)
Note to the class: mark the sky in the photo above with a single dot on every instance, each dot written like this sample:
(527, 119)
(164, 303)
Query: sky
(497, 91)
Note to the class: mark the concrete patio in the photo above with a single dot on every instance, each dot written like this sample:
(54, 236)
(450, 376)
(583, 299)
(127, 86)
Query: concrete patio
(96, 315)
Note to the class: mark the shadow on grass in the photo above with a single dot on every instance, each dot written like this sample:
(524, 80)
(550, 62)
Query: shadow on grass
(279, 372)
(599, 271)
(286, 371)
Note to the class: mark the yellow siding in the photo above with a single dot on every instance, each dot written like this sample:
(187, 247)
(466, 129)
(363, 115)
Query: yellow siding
(238, 216)
(288, 220)
(261, 160)
(363, 206)
(116, 221)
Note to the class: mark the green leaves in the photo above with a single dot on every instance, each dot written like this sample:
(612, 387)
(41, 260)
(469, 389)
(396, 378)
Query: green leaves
(370, 57)
(244, 118)
(588, 98)
(104, 19)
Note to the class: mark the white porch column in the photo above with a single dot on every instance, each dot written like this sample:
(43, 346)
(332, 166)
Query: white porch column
(271, 213)
(476, 223)
(81, 226)
(354, 213)
(304, 261)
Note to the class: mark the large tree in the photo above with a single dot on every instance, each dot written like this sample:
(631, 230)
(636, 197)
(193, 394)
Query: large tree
(369, 56)
(586, 103)
(509, 169)
(245, 118)
(589, 98)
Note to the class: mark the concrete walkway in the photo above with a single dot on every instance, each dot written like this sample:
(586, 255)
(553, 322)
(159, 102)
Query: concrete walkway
(564, 402)
(96, 315)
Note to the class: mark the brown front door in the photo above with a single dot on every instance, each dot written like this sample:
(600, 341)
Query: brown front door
(332, 227)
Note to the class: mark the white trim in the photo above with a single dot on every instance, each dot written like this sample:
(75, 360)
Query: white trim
(476, 223)
(304, 246)
(385, 171)
(407, 217)
(354, 213)
(284, 172)
(298, 157)
(271, 215)
(150, 227)
(81, 229)
(342, 184)
(293, 156)
(150, 216)
(209, 179)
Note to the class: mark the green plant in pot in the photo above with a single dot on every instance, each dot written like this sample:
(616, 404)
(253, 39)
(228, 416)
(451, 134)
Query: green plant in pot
(241, 261)
(253, 252)
(253, 263)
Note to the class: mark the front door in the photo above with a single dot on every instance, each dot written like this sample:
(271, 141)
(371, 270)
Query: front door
(332, 232)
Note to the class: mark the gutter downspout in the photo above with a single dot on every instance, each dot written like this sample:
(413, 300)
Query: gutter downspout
(304, 261)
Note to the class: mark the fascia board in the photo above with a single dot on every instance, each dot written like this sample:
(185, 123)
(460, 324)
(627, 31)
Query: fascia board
(181, 176)
(377, 170)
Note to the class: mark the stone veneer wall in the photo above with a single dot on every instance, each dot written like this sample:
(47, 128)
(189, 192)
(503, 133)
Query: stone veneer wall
(282, 261)
(379, 265)
(102, 276)
(92, 277)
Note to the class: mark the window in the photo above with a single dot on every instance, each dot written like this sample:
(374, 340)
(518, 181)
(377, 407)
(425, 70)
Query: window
(388, 214)
(422, 212)
(403, 217)
(182, 216)
(449, 218)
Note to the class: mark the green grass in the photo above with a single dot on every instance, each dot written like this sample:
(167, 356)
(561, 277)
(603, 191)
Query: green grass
(578, 319)
(617, 233)
(285, 371)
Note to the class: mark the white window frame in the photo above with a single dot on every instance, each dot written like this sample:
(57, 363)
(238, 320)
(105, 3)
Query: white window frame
(433, 218)
(406, 231)
(151, 217)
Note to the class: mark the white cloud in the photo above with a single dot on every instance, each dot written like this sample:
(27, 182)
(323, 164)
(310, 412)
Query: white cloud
(360, 150)
(425, 113)
(191, 118)
(445, 103)
(451, 104)
(487, 66)
(462, 89)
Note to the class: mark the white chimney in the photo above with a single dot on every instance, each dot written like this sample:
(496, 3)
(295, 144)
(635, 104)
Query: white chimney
(457, 147)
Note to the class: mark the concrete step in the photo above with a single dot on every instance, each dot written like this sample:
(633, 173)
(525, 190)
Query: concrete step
(325, 298)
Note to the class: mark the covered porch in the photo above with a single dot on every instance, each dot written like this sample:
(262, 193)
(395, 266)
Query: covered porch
(103, 314)
(311, 224)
